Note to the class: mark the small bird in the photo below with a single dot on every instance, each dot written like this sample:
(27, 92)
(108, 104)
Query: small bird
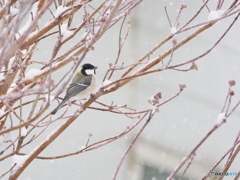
(83, 84)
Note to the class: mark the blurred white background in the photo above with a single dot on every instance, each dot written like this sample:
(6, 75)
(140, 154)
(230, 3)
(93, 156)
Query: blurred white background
(179, 125)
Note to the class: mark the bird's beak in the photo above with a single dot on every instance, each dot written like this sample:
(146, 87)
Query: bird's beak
(95, 67)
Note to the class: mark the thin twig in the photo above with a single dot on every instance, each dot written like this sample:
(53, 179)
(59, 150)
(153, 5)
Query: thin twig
(210, 49)
(131, 145)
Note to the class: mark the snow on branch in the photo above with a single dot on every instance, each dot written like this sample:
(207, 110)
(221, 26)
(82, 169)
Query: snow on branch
(28, 83)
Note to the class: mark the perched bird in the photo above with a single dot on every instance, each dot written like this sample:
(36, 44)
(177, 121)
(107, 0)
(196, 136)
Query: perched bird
(83, 84)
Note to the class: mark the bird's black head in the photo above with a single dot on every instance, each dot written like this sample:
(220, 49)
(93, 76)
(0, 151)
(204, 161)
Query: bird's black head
(88, 69)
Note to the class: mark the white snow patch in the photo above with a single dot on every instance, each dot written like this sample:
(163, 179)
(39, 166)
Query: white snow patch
(29, 21)
(23, 131)
(19, 161)
(173, 30)
(13, 85)
(221, 119)
(155, 109)
(32, 73)
(215, 15)
(59, 11)
(2, 75)
(106, 82)
(2, 112)
(24, 51)
(82, 147)
(11, 61)
(65, 32)
(49, 98)
(151, 99)
(13, 11)
(34, 10)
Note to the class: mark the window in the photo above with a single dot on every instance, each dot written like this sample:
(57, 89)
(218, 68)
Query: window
(151, 161)
(153, 173)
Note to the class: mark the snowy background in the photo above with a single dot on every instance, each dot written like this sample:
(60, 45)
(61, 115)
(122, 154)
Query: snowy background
(179, 125)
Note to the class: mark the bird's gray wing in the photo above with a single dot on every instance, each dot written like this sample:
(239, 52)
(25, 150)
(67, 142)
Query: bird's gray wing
(77, 87)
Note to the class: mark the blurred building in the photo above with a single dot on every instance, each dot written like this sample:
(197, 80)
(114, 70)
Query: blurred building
(180, 124)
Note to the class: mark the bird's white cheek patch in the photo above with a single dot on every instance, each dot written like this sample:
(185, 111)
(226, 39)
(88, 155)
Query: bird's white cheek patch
(89, 71)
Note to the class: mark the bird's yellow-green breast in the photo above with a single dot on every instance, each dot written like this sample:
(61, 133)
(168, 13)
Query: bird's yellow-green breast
(78, 76)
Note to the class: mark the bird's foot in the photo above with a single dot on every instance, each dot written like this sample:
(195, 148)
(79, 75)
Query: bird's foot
(91, 96)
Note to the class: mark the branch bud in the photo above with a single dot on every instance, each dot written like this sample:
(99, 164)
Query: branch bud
(183, 6)
(194, 66)
(127, 13)
(155, 98)
(231, 82)
(231, 93)
(182, 86)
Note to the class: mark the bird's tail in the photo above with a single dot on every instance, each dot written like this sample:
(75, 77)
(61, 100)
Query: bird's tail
(59, 106)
